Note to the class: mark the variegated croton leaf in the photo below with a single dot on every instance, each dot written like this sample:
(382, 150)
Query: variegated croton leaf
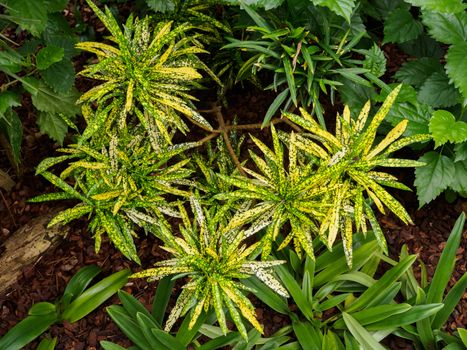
(146, 77)
(215, 160)
(282, 196)
(214, 264)
(123, 185)
(347, 163)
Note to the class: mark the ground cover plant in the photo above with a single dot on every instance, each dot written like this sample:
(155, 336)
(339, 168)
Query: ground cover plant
(285, 214)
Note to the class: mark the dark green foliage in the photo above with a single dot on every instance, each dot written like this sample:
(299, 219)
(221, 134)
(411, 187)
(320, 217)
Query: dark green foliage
(306, 59)
(41, 66)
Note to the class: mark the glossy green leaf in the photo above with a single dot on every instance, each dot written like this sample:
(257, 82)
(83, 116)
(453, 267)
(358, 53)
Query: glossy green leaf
(94, 296)
(47, 344)
(364, 338)
(382, 285)
(78, 283)
(30, 15)
(400, 26)
(47, 56)
(456, 65)
(447, 28)
(342, 8)
(446, 263)
(445, 128)
(27, 330)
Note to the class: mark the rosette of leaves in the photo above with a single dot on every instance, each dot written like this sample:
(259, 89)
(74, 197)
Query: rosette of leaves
(214, 264)
(303, 64)
(215, 160)
(123, 184)
(282, 195)
(146, 77)
(347, 165)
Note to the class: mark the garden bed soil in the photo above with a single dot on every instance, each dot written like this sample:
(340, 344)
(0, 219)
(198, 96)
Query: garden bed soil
(45, 279)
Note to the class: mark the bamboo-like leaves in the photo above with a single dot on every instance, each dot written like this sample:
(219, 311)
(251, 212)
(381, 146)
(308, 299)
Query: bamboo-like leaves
(214, 265)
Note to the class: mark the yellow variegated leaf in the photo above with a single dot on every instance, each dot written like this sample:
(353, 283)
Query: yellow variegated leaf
(362, 118)
(407, 141)
(347, 240)
(107, 195)
(392, 136)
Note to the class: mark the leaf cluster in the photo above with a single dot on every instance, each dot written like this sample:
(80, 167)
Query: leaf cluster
(41, 67)
(303, 64)
(331, 188)
(117, 187)
(214, 261)
(435, 87)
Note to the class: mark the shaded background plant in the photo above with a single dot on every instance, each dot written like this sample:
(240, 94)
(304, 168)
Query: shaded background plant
(39, 66)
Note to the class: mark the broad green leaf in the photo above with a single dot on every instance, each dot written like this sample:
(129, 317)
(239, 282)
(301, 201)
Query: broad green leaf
(14, 132)
(436, 91)
(47, 56)
(106, 345)
(400, 27)
(448, 6)
(79, 283)
(418, 116)
(387, 280)
(342, 8)
(47, 100)
(29, 15)
(456, 66)
(161, 298)
(416, 72)
(308, 336)
(129, 326)
(445, 128)
(27, 330)
(459, 181)
(10, 62)
(53, 126)
(374, 314)
(161, 5)
(423, 46)
(415, 314)
(9, 99)
(364, 338)
(434, 177)
(446, 263)
(450, 302)
(94, 296)
(47, 344)
(60, 76)
(447, 28)
(460, 152)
